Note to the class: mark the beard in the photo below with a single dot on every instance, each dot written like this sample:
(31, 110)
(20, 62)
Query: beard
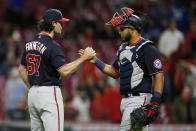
(127, 38)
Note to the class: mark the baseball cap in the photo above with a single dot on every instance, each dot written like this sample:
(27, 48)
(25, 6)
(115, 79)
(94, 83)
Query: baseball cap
(54, 15)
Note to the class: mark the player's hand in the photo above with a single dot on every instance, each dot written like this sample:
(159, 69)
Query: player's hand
(92, 60)
(81, 52)
(87, 54)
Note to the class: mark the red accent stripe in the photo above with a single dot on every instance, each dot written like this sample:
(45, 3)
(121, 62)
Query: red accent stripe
(57, 108)
(44, 34)
(136, 42)
(117, 74)
(142, 105)
(131, 127)
(122, 26)
(156, 73)
(144, 101)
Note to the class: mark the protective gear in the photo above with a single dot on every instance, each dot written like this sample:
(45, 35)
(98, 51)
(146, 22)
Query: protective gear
(126, 19)
(144, 115)
(131, 74)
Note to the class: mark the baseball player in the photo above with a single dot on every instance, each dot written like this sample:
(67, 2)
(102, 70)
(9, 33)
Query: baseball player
(139, 68)
(42, 64)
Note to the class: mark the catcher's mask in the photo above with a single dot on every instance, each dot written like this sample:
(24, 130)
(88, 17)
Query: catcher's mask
(126, 18)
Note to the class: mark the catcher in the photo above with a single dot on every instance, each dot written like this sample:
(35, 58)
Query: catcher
(139, 68)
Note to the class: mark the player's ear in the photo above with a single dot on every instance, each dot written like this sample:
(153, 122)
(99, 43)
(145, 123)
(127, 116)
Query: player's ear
(132, 31)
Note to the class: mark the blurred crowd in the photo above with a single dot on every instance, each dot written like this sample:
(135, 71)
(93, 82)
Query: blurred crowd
(88, 94)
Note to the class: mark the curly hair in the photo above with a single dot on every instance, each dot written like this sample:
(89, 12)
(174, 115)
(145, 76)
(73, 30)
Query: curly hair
(45, 26)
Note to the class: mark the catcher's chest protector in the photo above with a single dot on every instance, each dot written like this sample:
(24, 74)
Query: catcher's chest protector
(131, 73)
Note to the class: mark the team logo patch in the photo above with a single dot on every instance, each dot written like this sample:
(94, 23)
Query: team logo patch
(157, 64)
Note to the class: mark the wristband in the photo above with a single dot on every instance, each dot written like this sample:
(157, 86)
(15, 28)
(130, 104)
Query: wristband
(99, 64)
(157, 94)
(156, 97)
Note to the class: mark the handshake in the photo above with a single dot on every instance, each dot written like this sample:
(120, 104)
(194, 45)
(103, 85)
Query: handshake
(88, 54)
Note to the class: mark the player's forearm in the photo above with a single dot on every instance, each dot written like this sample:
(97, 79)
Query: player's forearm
(71, 67)
(23, 75)
(107, 69)
(158, 82)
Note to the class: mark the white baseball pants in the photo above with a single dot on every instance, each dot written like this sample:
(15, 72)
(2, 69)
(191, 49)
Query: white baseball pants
(46, 108)
(127, 106)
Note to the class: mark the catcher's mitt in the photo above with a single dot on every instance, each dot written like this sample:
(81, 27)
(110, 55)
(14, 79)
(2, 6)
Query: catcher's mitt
(144, 115)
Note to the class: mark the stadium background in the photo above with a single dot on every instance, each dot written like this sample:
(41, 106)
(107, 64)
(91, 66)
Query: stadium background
(91, 98)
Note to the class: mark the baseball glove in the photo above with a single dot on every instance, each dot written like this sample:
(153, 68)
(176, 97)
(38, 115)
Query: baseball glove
(144, 115)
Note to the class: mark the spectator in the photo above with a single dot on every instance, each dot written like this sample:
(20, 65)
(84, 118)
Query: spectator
(180, 14)
(13, 49)
(153, 29)
(4, 34)
(98, 109)
(90, 86)
(16, 97)
(112, 99)
(170, 40)
(2, 97)
(69, 111)
(191, 37)
(156, 10)
(81, 103)
(15, 12)
(171, 43)
(184, 108)
(186, 74)
(9, 51)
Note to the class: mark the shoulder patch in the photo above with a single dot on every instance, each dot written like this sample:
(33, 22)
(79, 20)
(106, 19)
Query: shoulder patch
(157, 64)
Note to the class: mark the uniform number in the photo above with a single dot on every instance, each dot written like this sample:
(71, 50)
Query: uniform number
(33, 62)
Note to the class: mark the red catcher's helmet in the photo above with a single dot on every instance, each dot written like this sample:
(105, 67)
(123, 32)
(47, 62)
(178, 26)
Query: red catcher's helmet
(126, 18)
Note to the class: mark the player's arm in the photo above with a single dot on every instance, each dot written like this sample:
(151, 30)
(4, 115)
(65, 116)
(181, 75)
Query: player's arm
(23, 74)
(111, 71)
(154, 67)
(73, 66)
(105, 68)
(158, 83)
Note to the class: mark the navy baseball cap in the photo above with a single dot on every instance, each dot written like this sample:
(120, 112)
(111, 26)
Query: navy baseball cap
(54, 15)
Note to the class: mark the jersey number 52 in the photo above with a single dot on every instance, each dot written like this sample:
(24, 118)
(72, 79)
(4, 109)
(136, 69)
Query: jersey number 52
(33, 62)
